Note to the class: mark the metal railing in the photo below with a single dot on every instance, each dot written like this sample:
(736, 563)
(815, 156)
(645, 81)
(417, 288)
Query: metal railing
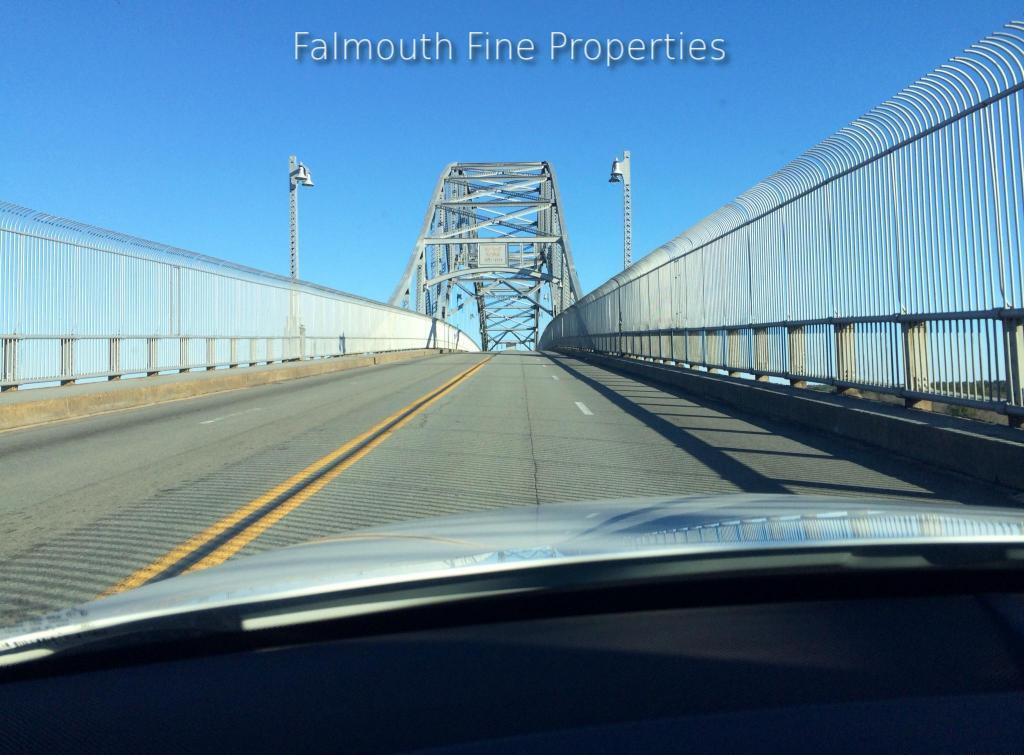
(81, 302)
(886, 258)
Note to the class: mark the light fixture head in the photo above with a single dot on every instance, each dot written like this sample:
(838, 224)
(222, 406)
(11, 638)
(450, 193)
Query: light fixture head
(616, 176)
(302, 176)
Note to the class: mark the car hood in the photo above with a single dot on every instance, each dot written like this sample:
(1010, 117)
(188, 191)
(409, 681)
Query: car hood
(528, 535)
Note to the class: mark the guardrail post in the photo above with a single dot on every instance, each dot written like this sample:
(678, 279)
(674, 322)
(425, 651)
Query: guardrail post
(233, 358)
(734, 352)
(183, 360)
(1013, 331)
(713, 348)
(114, 359)
(211, 353)
(9, 364)
(761, 364)
(797, 356)
(693, 347)
(67, 360)
(252, 351)
(151, 357)
(846, 357)
(915, 360)
(270, 350)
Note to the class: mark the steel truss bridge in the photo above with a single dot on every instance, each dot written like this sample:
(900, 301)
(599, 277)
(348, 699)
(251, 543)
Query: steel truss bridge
(493, 240)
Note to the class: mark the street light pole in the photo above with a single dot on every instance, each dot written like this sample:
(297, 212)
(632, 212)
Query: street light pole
(297, 174)
(621, 174)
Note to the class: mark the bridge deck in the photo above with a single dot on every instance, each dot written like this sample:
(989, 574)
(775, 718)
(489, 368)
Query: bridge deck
(85, 503)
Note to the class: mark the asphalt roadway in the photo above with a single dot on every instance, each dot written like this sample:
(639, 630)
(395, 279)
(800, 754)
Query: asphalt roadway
(107, 502)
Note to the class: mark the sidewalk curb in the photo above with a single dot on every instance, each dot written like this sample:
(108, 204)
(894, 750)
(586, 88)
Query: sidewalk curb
(17, 410)
(983, 453)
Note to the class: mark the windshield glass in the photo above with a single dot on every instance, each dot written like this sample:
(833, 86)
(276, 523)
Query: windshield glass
(812, 333)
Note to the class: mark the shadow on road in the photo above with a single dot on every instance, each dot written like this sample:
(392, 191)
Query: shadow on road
(763, 456)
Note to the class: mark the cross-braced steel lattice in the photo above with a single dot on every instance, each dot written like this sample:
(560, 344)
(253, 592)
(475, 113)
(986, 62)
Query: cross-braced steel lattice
(493, 246)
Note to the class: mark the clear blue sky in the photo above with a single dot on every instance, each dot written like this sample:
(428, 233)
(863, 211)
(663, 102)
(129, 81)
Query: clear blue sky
(174, 121)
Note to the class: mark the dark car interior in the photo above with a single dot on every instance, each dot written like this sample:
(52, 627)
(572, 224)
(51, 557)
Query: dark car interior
(868, 659)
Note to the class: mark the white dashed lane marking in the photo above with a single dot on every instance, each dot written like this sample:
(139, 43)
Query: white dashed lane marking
(228, 416)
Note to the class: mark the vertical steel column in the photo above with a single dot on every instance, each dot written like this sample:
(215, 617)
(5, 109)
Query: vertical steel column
(694, 346)
(678, 346)
(1013, 333)
(915, 359)
(432, 263)
(211, 353)
(114, 359)
(421, 294)
(846, 357)
(151, 357)
(9, 364)
(713, 349)
(734, 345)
(183, 356)
(67, 360)
(797, 356)
(761, 363)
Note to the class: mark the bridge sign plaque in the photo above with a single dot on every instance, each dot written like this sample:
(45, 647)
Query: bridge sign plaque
(492, 255)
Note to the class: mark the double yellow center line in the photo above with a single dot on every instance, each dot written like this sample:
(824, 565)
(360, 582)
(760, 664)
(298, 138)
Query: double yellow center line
(227, 536)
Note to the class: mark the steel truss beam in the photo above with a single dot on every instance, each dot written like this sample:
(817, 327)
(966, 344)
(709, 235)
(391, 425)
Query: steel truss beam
(494, 232)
